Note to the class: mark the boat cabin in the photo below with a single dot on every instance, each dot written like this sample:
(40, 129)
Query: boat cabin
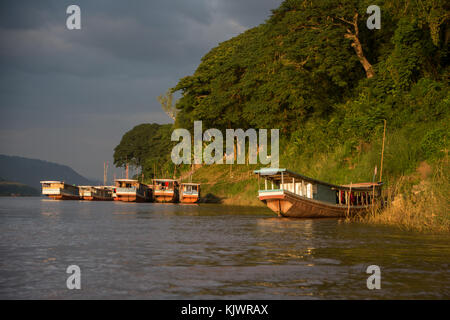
(95, 193)
(130, 190)
(59, 190)
(165, 190)
(189, 192)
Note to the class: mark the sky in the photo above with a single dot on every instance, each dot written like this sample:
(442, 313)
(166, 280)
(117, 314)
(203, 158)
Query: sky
(68, 96)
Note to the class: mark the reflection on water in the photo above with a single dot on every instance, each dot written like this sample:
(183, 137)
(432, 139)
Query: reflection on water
(160, 251)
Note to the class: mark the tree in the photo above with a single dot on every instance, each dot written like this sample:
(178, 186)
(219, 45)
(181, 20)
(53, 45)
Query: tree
(145, 146)
(279, 74)
(167, 105)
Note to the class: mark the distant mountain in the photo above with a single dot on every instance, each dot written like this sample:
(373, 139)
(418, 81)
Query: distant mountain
(31, 171)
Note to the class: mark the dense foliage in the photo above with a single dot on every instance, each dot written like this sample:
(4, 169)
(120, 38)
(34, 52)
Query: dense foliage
(315, 71)
(146, 146)
(302, 72)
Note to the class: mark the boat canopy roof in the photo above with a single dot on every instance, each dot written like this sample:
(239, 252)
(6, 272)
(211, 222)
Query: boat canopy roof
(127, 180)
(190, 184)
(52, 181)
(169, 180)
(274, 174)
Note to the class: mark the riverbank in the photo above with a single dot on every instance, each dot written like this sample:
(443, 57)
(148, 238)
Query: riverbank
(417, 202)
(16, 189)
(228, 185)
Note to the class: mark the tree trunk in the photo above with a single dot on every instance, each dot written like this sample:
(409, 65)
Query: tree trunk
(354, 36)
(362, 58)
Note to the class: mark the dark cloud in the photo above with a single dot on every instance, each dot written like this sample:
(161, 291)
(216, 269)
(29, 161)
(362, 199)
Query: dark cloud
(68, 96)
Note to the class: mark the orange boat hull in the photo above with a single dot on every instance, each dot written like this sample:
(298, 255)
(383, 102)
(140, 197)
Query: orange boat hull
(130, 198)
(64, 197)
(94, 198)
(189, 199)
(164, 199)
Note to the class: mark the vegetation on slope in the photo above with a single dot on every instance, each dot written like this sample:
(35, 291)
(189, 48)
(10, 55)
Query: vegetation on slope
(317, 73)
(8, 188)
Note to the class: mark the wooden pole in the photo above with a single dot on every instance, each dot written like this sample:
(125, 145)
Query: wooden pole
(349, 199)
(382, 151)
(373, 198)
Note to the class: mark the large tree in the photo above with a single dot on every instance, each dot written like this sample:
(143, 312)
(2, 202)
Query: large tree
(304, 59)
(144, 146)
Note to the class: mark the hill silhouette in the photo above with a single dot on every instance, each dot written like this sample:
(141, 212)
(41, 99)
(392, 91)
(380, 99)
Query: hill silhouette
(31, 171)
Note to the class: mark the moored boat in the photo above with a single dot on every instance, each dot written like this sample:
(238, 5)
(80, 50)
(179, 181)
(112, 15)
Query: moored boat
(95, 193)
(189, 192)
(129, 190)
(113, 191)
(58, 190)
(165, 190)
(290, 194)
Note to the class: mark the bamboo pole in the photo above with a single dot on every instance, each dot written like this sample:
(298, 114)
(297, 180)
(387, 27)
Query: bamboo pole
(382, 151)
(349, 199)
(373, 199)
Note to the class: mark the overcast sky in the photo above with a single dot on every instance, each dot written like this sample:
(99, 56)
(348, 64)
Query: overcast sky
(68, 96)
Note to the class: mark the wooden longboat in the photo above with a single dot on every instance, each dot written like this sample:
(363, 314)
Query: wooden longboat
(59, 190)
(129, 190)
(189, 192)
(95, 193)
(293, 195)
(112, 189)
(165, 190)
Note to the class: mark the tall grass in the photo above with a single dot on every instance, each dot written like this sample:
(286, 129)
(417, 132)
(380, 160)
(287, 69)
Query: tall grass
(423, 207)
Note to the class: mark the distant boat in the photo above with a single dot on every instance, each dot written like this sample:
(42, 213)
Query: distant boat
(129, 190)
(290, 194)
(95, 193)
(189, 192)
(165, 190)
(59, 190)
(113, 191)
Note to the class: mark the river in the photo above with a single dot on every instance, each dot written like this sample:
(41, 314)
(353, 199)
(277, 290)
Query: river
(166, 251)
